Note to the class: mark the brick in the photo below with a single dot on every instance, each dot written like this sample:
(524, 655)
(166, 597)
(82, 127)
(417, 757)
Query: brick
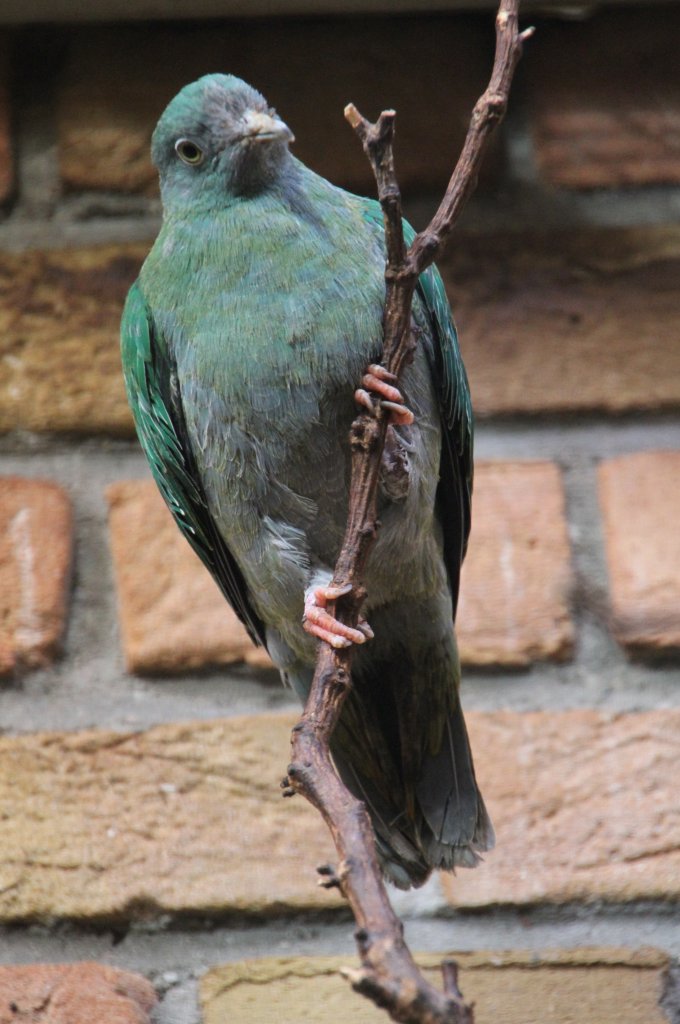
(184, 820)
(107, 110)
(187, 819)
(453, 56)
(36, 530)
(59, 351)
(545, 325)
(172, 614)
(584, 805)
(516, 580)
(610, 986)
(590, 127)
(6, 153)
(514, 594)
(569, 322)
(77, 993)
(640, 497)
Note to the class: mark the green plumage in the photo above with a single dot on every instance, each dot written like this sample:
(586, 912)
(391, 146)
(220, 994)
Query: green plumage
(253, 320)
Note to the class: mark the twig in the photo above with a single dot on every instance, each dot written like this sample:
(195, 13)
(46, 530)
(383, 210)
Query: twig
(388, 975)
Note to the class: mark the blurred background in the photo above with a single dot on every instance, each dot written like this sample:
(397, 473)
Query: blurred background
(143, 738)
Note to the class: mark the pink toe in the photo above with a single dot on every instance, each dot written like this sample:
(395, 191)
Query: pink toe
(382, 388)
(362, 397)
(379, 371)
(398, 414)
(333, 593)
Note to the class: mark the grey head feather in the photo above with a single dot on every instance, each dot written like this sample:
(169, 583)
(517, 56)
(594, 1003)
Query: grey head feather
(237, 143)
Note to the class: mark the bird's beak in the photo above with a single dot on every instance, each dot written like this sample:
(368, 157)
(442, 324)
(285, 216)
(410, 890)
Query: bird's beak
(261, 127)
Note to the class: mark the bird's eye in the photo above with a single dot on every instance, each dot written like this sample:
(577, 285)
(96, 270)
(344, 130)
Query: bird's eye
(189, 152)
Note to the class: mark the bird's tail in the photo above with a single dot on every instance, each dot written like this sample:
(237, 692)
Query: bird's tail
(456, 827)
(402, 747)
(446, 826)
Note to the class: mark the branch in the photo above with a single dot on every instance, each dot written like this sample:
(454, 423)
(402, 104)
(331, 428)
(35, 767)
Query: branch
(388, 975)
(488, 112)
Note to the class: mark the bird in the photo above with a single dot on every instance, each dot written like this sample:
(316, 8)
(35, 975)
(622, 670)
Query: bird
(250, 339)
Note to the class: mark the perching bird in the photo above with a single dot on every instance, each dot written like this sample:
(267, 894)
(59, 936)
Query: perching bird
(255, 317)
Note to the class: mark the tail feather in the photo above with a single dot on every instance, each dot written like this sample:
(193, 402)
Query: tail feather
(400, 856)
(458, 825)
(448, 857)
(446, 826)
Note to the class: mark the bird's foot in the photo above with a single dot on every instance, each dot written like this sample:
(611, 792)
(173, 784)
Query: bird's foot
(320, 623)
(381, 382)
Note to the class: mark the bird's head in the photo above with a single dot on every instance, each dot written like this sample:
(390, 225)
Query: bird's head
(218, 138)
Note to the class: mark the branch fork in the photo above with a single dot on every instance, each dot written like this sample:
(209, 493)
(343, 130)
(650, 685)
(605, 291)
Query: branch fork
(388, 974)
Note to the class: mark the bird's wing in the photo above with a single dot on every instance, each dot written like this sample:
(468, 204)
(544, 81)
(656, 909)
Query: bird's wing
(153, 394)
(454, 493)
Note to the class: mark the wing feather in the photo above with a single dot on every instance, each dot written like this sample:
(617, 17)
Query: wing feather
(454, 492)
(155, 400)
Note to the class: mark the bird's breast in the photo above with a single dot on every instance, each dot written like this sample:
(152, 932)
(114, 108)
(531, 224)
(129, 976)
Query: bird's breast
(271, 323)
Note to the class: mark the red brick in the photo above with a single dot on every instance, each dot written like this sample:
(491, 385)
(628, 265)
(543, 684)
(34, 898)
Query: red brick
(6, 153)
(640, 498)
(363, 62)
(35, 561)
(607, 986)
(108, 107)
(546, 325)
(514, 606)
(568, 322)
(183, 819)
(172, 614)
(81, 993)
(612, 121)
(59, 329)
(514, 602)
(584, 805)
(188, 818)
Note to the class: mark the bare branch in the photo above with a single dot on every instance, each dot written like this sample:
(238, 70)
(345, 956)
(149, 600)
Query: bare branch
(388, 974)
(377, 140)
(489, 111)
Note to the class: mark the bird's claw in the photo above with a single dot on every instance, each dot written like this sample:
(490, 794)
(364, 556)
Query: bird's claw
(286, 788)
(320, 623)
(381, 382)
(329, 878)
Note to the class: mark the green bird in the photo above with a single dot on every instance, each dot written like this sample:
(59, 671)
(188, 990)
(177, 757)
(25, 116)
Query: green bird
(255, 316)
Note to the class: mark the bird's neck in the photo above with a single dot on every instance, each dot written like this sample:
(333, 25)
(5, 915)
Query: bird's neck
(285, 183)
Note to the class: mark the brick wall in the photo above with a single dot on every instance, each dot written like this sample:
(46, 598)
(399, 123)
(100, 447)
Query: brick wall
(139, 770)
